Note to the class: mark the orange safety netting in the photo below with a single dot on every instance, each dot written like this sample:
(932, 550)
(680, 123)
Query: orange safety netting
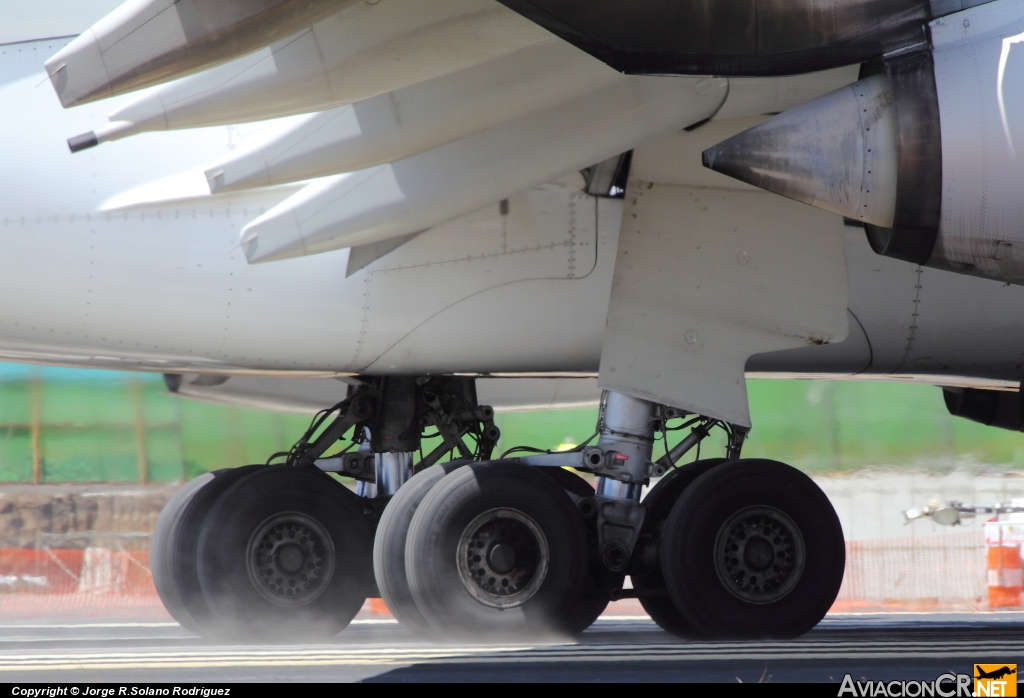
(94, 582)
(926, 573)
(932, 573)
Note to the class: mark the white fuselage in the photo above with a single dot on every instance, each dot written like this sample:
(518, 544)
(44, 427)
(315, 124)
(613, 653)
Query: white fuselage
(97, 271)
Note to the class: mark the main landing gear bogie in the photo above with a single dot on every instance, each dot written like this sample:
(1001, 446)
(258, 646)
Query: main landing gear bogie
(495, 549)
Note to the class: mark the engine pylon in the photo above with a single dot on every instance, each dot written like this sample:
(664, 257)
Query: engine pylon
(838, 153)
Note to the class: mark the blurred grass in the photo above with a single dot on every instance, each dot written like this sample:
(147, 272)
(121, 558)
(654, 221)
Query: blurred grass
(122, 427)
(825, 426)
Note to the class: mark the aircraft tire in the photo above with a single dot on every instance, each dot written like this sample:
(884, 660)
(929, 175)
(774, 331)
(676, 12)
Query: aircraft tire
(285, 555)
(389, 545)
(659, 503)
(592, 600)
(533, 561)
(775, 548)
(175, 542)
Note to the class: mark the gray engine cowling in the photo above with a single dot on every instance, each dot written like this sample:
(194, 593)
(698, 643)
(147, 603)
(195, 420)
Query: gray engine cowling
(927, 152)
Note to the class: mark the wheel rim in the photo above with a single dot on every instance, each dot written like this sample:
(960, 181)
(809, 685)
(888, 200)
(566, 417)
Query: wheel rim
(290, 559)
(759, 554)
(502, 558)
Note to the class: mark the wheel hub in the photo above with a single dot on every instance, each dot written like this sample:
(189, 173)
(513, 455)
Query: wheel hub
(290, 559)
(759, 554)
(502, 558)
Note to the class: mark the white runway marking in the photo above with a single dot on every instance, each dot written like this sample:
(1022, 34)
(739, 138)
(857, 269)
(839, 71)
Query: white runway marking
(59, 660)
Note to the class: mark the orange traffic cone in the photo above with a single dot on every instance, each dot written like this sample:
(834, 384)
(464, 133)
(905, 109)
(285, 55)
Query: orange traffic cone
(379, 608)
(1004, 575)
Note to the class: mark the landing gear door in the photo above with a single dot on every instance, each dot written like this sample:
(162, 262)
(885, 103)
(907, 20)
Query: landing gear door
(707, 277)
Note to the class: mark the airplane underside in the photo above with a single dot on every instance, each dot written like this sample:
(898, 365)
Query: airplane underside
(466, 213)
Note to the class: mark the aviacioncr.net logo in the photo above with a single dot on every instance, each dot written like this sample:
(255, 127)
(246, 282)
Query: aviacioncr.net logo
(944, 686)
(995, 680)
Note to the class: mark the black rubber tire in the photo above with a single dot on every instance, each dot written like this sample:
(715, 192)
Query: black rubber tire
(389, 546)
(688, 551)
(315, 511)
(569, 481)
(172, 554)
(592, 600)
(659, 502)
(506, 491)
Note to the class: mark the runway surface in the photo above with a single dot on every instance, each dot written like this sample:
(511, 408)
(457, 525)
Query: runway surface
(869, 647)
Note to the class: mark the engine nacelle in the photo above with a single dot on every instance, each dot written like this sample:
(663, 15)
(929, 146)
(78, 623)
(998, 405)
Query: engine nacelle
(923, 153)
(736, 37)
(994, 408)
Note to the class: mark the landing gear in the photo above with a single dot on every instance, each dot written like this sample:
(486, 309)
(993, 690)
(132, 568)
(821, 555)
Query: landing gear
(646, 572)
(497, 550)
(772, 548)
(175, 541)
(519, 546)
(284, 552)
(390, 542)
(284, 555)
(263, 553)
(593, 597)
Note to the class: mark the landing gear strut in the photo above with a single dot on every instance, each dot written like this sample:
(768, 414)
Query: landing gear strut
(518, 546)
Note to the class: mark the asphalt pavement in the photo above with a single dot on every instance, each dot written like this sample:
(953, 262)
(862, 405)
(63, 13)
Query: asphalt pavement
(868, 647)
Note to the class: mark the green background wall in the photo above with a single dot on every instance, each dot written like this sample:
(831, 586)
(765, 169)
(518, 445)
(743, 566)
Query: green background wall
(65, 425)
